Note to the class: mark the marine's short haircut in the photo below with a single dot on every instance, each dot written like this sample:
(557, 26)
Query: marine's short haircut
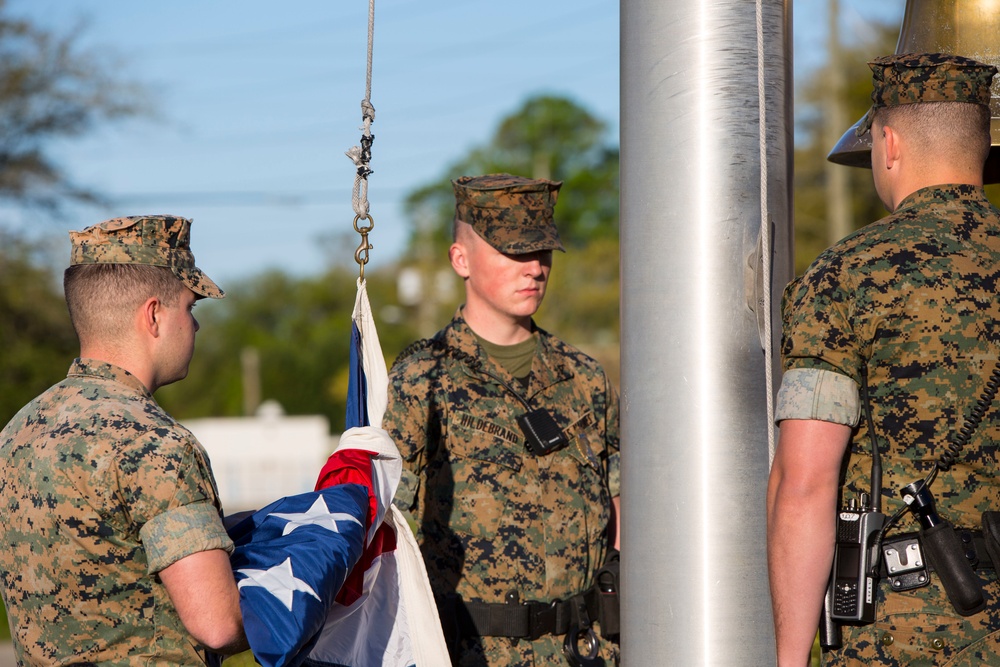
(955, 130)
(460, 229)
(102, 298)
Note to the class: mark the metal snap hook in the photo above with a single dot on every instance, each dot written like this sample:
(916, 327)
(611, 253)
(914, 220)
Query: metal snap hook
(361, 254)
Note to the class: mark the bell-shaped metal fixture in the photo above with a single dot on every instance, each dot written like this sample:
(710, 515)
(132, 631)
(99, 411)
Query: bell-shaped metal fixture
(968, 28)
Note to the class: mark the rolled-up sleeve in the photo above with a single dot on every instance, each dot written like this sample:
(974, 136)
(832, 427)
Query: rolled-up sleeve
(815, 393)
(180, 532)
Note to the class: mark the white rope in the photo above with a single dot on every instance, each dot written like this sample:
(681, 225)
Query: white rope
(362, 155)
(765, 232)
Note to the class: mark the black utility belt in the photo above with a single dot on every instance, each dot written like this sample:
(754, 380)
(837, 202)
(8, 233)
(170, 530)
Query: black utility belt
(531, 619)
(527, 620)
(534, 619)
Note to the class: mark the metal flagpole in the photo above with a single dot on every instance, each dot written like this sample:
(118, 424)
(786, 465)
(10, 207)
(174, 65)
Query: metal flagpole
(706, 166)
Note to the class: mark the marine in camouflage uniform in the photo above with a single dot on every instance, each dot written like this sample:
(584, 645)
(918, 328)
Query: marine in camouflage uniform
(498, 524)
(910, 301)
(101, 491)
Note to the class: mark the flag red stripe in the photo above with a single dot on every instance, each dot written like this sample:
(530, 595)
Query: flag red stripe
(354, 466)
(353, 588)
(351, 466)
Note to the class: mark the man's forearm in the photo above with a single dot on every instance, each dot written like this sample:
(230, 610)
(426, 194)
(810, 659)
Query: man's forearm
(207, 600)
(801, 529)
(800, 553)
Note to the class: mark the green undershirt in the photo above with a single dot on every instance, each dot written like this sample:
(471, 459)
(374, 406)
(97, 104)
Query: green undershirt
(515, 359)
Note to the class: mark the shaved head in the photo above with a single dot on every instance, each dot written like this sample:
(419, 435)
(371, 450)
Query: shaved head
(957, 132)
(102, 298)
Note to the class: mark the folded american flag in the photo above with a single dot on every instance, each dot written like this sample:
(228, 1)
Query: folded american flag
(334, 578)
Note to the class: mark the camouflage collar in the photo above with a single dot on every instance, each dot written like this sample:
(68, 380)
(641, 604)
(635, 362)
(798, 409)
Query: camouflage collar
(459, 334)
(549, 368)
(95, 368)
(942, 194)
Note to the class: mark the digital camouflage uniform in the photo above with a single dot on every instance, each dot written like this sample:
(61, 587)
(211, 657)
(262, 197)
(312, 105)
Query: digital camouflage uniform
(914, 298)
(493, 518)
(100, 490)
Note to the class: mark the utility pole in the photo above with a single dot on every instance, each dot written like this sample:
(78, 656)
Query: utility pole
(250, 366)
(839, 216)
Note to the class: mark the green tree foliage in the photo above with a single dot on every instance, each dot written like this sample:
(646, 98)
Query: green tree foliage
(51, 89)
(546, 137)
(811, 146)
(300, 329)
(300, 326)
(36, 339)
(582, 301)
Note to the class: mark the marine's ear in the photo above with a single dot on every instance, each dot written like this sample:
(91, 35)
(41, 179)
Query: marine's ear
(458, 256)
(147, 316)
(893, 145)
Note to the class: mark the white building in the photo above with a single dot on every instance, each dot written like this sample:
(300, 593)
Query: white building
(258, 459)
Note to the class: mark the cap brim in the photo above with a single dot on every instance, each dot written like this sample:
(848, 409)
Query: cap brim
(199, 283)
(523, 247)
(524, 240)
(853, 150)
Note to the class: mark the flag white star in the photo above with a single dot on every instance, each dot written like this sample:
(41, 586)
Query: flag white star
(317, 515)
(279, 581)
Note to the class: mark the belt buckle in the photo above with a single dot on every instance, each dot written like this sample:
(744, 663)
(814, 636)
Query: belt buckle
(905, 564)
(541, 618)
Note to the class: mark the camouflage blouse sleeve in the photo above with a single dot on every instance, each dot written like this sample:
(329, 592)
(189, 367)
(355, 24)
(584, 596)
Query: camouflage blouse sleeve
(408, 420)
(818, 322)
(166, 488)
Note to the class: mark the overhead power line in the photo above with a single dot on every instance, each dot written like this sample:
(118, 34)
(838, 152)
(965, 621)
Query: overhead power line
(246, 197)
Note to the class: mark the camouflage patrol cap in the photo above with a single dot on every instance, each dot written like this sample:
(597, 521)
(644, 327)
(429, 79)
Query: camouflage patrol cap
(511, 213)
(152, 240)
(911, 78)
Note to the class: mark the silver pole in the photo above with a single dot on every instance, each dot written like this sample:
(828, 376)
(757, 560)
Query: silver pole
(701, 81)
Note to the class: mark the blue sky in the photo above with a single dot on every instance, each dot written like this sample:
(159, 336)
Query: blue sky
(258, 100)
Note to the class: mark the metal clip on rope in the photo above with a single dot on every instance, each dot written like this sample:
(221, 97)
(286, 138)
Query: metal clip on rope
(361, 254)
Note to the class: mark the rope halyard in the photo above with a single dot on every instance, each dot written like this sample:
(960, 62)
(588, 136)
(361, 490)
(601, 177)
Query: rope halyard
(765, 231)
(362, 155)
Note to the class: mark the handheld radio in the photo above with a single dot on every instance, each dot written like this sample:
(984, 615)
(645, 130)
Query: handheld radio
(853, 587)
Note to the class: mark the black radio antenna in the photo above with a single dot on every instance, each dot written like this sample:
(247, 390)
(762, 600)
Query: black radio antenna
(876, 490)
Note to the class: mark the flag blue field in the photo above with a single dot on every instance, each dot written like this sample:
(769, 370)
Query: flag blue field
(357, 384)
(291, 559)
(368, 385)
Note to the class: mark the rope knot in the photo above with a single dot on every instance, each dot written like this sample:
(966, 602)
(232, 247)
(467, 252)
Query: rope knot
(354, 152)
(367, 110)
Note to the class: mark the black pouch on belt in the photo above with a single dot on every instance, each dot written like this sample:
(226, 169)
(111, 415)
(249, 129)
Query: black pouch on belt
(606, 588)
(947, 556)
(991, 535)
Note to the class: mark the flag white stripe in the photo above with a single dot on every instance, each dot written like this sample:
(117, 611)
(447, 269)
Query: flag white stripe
(372, 361)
